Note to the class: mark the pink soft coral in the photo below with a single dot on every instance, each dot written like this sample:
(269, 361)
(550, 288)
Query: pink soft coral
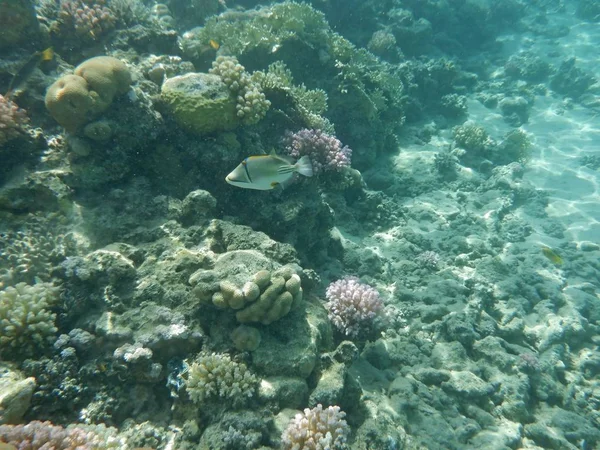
(12, 120)
(325, 151)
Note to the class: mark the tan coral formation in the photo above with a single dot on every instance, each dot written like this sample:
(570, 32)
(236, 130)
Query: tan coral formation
(264, 297)
(74, 99)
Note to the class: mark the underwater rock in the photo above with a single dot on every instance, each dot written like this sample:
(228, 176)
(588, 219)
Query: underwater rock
(15, 394)
(200, 102)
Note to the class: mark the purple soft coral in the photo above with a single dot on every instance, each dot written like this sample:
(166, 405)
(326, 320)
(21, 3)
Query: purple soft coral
(325, 151)
(354, 308)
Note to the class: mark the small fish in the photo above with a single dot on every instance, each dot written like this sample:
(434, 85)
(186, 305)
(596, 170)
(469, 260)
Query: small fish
(23, 74)
(214, 44)
(266, 172)
(552, 256)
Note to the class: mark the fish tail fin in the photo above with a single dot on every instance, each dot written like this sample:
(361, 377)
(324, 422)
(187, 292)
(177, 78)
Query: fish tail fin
(304, 166)
(48, 54)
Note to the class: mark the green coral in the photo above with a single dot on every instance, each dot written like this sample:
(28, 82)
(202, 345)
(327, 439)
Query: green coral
(200, 102)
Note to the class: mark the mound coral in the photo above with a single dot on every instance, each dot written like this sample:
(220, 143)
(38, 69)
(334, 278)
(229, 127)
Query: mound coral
(325, 151)
(354, 308)
(12, 120)
(215, 376)
(73, 100)
(317, 429)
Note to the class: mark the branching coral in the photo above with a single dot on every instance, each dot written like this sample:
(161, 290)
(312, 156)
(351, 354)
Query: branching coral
(215, 376)
(354, 308)
(326, 152)
(317, 429)
(26, 320)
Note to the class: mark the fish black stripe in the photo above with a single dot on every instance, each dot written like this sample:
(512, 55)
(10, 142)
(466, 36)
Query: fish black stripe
(247, 172)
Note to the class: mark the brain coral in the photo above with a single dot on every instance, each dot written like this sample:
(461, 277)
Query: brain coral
(74, 99)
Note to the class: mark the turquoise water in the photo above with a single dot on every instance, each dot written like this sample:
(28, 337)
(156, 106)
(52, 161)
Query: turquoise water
(324, 225)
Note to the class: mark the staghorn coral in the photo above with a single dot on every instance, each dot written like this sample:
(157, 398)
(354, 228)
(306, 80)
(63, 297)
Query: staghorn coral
(325, 151)
(317, 429)
(214, 376)
(26, 320)
(38, 435)
(12, 120)
(252, 104)
(354, 308)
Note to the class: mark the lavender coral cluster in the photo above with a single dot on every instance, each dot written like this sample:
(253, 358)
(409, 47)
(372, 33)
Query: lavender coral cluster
(325, 151)
(12, 120)
(317, 429)
(354, 308)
